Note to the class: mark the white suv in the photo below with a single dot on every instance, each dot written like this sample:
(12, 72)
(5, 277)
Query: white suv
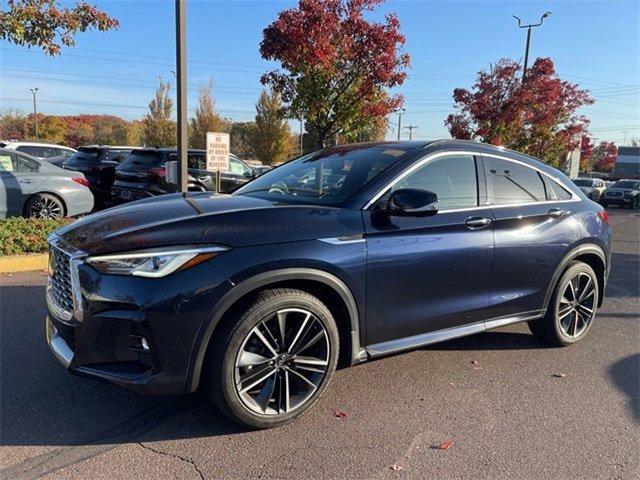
(40, 150)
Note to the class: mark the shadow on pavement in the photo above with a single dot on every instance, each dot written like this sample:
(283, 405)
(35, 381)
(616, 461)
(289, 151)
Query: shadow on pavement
(625, 374)
(624, 278)
(42, 404)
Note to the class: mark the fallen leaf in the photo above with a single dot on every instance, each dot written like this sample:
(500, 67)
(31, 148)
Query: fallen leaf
(396, 468)
(559, 375)
(475, 362)
(445, 445)
(339, 414)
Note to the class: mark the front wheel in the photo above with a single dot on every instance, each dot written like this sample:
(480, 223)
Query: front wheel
(274, 359)
(572, 307)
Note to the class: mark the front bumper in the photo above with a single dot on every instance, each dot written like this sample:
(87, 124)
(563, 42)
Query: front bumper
(136, 332)
(617, 200)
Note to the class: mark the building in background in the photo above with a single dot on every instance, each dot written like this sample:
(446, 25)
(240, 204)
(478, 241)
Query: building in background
(627, 163)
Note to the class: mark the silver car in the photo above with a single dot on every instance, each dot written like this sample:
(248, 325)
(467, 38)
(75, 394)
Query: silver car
(35, 188)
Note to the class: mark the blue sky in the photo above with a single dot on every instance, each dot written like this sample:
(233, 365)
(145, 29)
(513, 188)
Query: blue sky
(593, 43)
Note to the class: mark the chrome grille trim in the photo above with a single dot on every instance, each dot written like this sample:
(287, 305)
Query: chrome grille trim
(63, 287)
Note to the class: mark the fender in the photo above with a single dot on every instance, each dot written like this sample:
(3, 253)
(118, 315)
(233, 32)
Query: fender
(571, 255)
(203, 338)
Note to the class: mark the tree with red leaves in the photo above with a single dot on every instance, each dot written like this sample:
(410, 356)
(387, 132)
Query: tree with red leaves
(538, 117)
(39, 23)
(586, 149)
(604, 157)
(337, 66)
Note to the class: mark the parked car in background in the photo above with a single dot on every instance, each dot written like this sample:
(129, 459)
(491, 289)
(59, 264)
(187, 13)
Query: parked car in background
(40, 150)
(58, 160)
(623, 193)
(591, 187)
(260, 169)
(34, 188)
(143, 174)
(254, 297)
(98, 164)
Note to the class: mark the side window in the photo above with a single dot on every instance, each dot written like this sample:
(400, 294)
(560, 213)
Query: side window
(236, 167)
(29, 150)
(555, 191)
(24, 165)
(452, 178)
(197, 160)
(512, 183)
(47, 152)
(6, 164)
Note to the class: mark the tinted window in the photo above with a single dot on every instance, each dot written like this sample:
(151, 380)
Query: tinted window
(29, 149)
(326, 177)
(555, 191)
(46, 152)
(143, 160)
(452, 178)
(627, 184)
(512, 183)
(25, 165)
(585, 182)
(116, 155)
(195, 160)
(237, 167)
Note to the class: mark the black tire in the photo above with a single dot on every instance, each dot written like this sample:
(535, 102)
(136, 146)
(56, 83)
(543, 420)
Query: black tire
(553, 327)
(636, 203)
(236, 335)
(44, 205)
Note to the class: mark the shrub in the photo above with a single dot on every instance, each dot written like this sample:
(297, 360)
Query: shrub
(26, 235)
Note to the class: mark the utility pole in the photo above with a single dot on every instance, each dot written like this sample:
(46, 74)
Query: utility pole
(35, 110)
(529, 27)
(229, 123)
(301, 135)
(181, 80)
(400, 113)
(625, 138)
(411, 128)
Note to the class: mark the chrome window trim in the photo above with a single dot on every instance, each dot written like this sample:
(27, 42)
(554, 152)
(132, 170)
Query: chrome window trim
(155, 252)
(433, 156)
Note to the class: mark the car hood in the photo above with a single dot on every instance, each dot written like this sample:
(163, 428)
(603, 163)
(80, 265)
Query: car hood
(621, 190)
(206, 218)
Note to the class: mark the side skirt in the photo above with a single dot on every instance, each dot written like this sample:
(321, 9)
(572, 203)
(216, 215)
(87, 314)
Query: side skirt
(408, 343)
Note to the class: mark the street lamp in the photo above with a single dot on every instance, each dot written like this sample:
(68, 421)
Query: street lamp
(400, 112)
(529, 27)
(35, 109)
(181, 87)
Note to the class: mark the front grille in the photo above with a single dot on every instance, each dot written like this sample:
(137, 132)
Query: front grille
(60, 279)
(614, 194)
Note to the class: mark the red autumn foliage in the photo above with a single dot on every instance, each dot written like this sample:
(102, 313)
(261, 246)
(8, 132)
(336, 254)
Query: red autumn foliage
(337, 64)
(586, 149)
(538, 117)
(605, 156)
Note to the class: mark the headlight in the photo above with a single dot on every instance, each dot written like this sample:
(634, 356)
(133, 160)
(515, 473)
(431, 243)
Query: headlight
(155, 262)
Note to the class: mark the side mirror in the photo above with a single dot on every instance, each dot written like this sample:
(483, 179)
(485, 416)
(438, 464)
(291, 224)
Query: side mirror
(250, 174)
(412, 202)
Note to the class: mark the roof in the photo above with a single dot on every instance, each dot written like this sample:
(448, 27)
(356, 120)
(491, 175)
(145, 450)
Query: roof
(12, 145)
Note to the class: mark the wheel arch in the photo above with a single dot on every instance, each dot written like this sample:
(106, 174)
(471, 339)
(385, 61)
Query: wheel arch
(326, 286)
(65, 209)
(589, 253)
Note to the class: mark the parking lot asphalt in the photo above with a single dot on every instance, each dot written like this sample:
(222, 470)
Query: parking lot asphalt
(512, 407)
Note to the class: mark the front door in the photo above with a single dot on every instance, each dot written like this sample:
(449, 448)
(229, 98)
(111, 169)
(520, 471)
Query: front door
(430, 273)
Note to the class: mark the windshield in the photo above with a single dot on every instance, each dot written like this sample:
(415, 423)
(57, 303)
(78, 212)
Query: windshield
(627, 184)
(587, 182)
(327, 177)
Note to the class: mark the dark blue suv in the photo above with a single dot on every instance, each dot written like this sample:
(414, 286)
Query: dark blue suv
(337, 257)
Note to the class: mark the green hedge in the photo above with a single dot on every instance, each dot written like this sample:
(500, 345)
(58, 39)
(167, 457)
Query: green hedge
(26, 235)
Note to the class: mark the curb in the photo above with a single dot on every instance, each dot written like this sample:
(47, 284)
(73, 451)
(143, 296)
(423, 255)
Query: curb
(23, 263)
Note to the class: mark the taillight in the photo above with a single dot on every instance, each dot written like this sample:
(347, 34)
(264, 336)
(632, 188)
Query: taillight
(81, 181)
(157, 172)
(604, 216)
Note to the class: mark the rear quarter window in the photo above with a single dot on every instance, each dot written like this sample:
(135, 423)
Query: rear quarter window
(555, 191)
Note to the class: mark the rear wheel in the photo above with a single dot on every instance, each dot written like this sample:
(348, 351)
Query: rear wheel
(274, 359)
(636, 202)
(572, 307)
(44, 205)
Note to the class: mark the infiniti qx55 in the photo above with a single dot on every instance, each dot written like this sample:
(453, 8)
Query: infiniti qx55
(337, 257)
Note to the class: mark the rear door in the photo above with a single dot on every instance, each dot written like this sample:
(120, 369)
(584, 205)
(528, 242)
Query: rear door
(20, 177)
(533, 229)
(429, 273)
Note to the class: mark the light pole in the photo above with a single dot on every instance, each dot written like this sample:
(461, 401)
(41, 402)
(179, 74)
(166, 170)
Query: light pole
(229, 123)
(181, 81)
(400, 112)
(35, 109)
(301, 136)
(411, 128)
(529, 27)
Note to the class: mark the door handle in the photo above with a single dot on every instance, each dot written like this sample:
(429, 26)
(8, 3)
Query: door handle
(476, 223)
(25, 180)
(557, 212)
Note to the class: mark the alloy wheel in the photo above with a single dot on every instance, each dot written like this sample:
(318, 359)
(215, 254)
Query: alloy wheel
(282, 362)
(577, 305)
(45, 208)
